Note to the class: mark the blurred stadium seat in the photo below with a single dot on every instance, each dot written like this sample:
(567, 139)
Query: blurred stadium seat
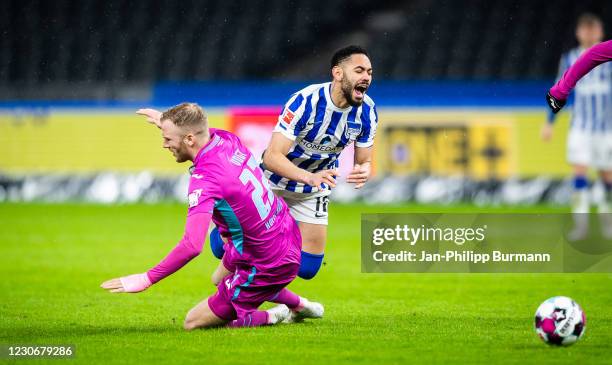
(144, 41)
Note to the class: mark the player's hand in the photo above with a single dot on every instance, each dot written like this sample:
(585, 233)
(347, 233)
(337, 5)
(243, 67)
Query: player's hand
(359, 175)
(153, 116)
(546, 132)
(127, 284)
(327, 177)
(554, 103)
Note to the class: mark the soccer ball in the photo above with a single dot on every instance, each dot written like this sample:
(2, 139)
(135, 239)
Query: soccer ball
(560, 321)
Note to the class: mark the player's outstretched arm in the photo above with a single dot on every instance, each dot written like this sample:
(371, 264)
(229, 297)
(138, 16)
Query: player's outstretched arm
(128, 284)
(188, 248)
(153, 116)
(362, 167)
(275, 159)
(593, 57)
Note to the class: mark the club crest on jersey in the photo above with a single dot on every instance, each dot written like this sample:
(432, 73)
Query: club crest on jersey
(288, 116)
(352, 130)
(238, 158)
(194, 198)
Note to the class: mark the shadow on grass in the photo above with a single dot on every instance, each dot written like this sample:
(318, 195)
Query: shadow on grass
(84, 331)
(80, 331)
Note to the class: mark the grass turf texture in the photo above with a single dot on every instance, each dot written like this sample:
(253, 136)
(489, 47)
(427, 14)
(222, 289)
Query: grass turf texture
(55, 256)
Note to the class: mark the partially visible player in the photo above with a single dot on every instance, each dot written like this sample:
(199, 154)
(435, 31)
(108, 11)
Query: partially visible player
(262, 255)
(593, 57)
(589, 142)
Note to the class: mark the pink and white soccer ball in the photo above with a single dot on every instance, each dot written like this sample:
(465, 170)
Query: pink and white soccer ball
(560, 321)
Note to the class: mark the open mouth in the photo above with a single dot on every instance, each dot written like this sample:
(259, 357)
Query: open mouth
(360, 90)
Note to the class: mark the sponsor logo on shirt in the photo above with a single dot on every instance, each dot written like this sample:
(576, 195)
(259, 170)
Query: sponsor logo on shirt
(194, 198)
(288, 116)
(318, 147)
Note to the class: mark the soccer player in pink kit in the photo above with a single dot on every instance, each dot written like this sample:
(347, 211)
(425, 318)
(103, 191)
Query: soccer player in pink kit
(602, 145)
(263, 250)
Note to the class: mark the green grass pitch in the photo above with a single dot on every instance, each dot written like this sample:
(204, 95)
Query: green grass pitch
(54, 258)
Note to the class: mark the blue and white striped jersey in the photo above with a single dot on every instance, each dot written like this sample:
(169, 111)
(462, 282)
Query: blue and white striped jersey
(320, 131)
(592, 109)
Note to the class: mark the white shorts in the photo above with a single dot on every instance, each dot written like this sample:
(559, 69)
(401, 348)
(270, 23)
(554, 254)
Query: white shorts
(589, 149)
(306, 207)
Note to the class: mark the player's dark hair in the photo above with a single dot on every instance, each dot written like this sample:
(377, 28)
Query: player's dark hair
(345, 53)
(588, 19)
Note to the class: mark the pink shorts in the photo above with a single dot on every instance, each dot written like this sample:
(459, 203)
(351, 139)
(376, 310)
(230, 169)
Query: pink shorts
(253, 283)
(244, 291)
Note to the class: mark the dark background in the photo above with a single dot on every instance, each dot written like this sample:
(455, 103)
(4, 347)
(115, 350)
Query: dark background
(91, 41)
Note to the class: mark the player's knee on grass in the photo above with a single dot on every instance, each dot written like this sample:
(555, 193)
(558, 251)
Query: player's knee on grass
(191, 324)
(310, 265)
(216, 243)
(201, 316)
(193, 320)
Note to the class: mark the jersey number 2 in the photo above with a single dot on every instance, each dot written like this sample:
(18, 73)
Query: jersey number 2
(248, 176)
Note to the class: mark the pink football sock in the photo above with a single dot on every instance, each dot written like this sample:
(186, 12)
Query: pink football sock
(253, 319)
(290, 299)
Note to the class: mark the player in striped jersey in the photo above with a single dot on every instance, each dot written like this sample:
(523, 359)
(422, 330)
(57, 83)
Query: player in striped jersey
(315, 125)
(589, 142)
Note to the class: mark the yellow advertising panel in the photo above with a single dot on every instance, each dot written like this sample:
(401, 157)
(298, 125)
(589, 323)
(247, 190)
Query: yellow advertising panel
(430, 150)
(473, 143)
(85, 142)
(478, 144)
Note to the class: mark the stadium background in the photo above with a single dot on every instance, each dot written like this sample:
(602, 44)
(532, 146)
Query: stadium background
(459, 86)
(460, 98)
